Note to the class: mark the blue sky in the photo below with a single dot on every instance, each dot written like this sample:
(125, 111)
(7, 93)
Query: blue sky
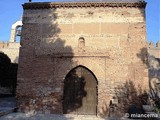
(11, 11)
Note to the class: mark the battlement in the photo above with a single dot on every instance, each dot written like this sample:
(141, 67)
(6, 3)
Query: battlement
(4, 44)
(153, 45)
(8, 45)
(154, 49)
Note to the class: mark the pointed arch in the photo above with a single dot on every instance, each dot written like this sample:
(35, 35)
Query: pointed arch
(80, 91)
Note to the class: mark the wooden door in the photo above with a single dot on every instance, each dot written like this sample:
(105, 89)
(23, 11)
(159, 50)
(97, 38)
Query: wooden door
(80, 92)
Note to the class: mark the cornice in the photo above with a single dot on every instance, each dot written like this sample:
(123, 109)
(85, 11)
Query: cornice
(54, 5)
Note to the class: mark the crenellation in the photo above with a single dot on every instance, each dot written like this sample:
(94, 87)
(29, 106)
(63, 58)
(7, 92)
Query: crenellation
(154, 49)
(4, 45)
(153, 45)
(158, 44)
(11, 49)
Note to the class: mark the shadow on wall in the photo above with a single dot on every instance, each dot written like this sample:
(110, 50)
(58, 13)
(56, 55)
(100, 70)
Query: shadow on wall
(74, 92)
(8, 74)
(153, 65)
(52, 59)
(128, 99)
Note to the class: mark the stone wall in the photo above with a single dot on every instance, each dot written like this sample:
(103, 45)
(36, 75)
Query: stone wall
(154, 50)
(114, 48)
(154, 69)
(11, 49)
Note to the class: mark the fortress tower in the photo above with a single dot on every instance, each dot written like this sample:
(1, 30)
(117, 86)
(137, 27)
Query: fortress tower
(79, 57)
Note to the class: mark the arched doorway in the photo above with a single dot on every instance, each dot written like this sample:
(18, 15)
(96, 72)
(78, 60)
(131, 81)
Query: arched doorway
(80, 92)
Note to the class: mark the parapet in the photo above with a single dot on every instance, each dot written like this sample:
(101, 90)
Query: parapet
(4, 45)
(154, 50)
(9, 45)
(152, 45)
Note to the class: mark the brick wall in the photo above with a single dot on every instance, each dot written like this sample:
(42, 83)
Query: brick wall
(114, 49)
(11, 49)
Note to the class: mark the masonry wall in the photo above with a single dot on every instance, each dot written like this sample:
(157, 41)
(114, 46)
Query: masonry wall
(11, 49)
(114, 50)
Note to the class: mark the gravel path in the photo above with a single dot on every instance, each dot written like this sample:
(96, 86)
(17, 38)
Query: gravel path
(10, 103)
(30, 116)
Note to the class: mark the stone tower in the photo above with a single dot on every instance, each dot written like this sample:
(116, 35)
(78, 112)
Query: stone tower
(78, 57)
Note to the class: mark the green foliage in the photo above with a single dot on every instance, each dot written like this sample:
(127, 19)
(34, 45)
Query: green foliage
(157, 105)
